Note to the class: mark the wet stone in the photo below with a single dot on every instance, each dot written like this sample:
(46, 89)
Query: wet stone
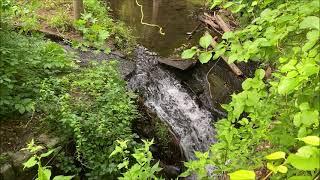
(7, 172)
(180, 64)
(50, 142)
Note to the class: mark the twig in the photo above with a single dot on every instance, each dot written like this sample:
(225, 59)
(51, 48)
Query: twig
(223, 25)
(209, 86)
(193, 31)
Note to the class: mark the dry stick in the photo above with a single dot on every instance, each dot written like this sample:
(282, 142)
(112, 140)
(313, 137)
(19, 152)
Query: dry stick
(193, 31)
(209, 86)
(226, 28)
(222, 24)
(210, 23)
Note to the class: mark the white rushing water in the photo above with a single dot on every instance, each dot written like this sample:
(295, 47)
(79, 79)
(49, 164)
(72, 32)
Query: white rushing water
(165, 96)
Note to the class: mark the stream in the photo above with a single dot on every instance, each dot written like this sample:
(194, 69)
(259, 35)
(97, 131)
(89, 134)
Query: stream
(181, 99)
(176, 17)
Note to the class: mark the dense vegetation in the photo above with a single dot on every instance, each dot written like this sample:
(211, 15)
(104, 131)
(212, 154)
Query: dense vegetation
(272, 126)
(279, 115)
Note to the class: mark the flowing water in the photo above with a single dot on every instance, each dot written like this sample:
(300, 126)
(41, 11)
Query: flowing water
(162, 89)
(176, 17)
(172, 103)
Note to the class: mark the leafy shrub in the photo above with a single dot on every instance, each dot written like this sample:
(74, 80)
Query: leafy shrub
(97, 27)
(44, 172)
(268, 121)
(25, 62)
(60, 20)
(93, 107)
(142, 168)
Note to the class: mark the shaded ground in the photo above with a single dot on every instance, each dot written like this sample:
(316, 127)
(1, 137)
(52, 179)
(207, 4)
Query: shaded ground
(15, 133)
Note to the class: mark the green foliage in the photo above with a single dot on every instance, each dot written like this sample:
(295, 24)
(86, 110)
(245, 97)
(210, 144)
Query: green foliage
(274, 115)
(204, 55)
(61, 21)
(96, 28)
(25, 62)
(142, 168)
(94, 108)
(44, 172)
(25, 16)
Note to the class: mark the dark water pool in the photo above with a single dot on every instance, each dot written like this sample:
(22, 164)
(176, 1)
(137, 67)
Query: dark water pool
(177, 17)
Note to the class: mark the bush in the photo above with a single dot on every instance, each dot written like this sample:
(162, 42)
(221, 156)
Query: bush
(94, 108)
(25, 62)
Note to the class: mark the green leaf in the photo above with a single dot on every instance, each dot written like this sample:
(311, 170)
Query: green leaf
(47, 153)
(300, 178)
(283, 169)
(206, 40)
(260, 73)
(228, 35)
(302, 163)
(242, 175)
(44, 173)
(60, 177)
(188, 53)
(311, 22)
(276, 155)
(215, 3)
(312, 140)
(307, 151)
(286, 85)
(205, 57)
(30, 163)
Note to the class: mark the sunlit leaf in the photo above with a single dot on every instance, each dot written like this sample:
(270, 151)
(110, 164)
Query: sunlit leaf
(312, 140)
(276, 155)
(205, 57)
(242, 175)
(206, 40)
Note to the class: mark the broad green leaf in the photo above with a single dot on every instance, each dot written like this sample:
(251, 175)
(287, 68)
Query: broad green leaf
(123, 164)
(206, 40)
(260, 73)
(300, 178)
(60, 177)
(271, 167)
(44, 173)
(215, 3)
(276, 155)
(309, 69)
(205, 57)
(312, 140)
(312, 22)
(302, 163)
(47, 153)
(30, 163)
(188, 53)
(283, 169)
(286, 85)
(242, 175)
(307, 151)
(227, 35)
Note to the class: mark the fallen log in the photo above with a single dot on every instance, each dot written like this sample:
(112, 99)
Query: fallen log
(223, 25)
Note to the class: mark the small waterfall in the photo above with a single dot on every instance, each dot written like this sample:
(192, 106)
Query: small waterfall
(163, 94)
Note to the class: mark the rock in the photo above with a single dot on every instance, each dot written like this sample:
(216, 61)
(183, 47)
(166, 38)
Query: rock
(171, 171)
(50, 142)
(17, 159)
(7, 172)
(177, 63)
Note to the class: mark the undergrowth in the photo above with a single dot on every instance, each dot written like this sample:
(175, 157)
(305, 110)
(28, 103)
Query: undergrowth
(92, 106)
(273, 124)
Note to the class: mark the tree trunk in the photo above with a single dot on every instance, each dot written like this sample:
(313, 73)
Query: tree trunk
(77, 8)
